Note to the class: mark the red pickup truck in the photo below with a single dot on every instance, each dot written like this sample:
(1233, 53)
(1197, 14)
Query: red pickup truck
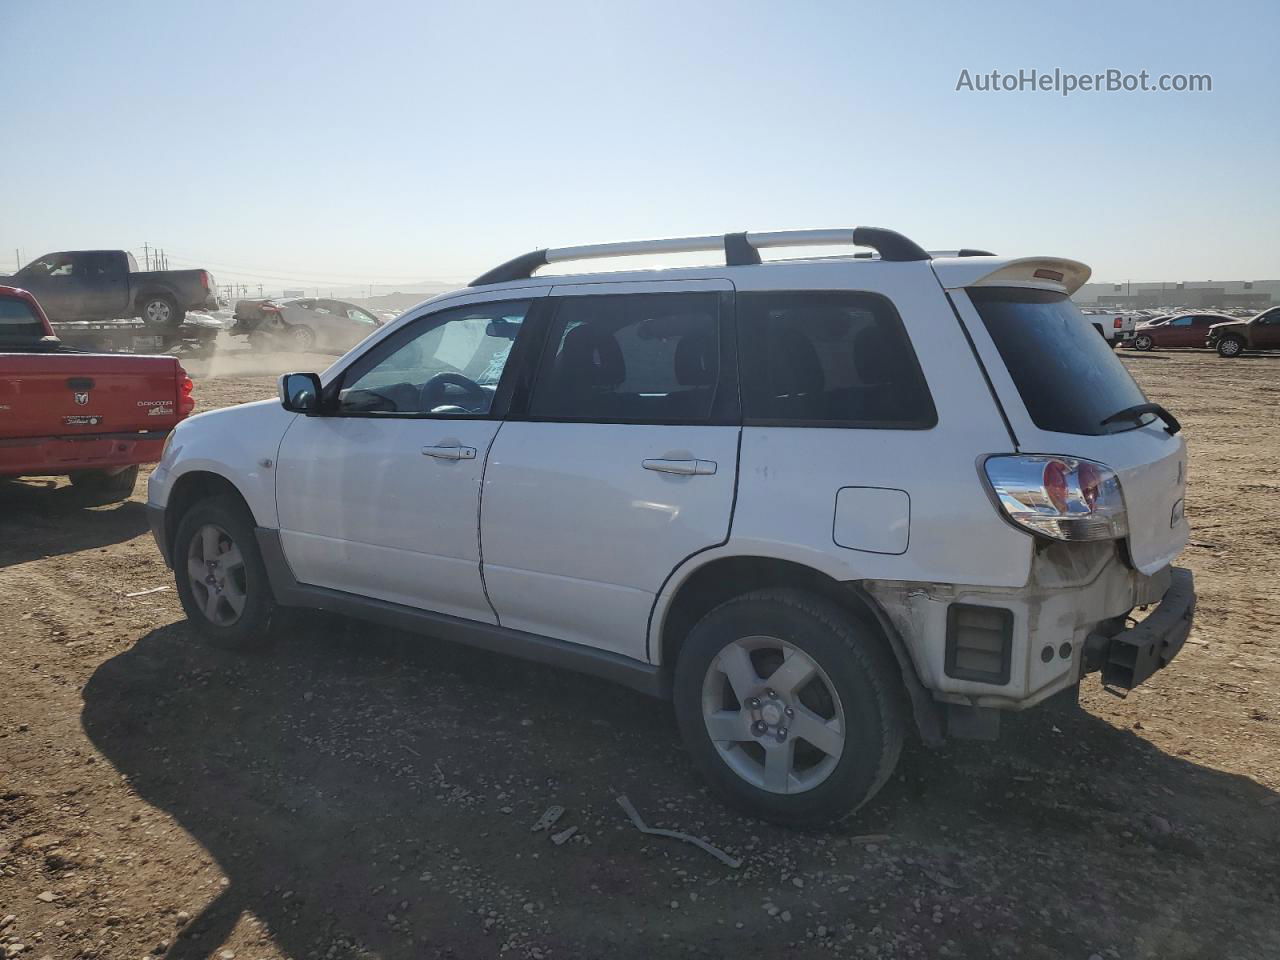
(91, 417)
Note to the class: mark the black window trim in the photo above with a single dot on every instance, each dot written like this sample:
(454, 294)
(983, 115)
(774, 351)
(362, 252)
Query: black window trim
(530, 331)
(726, 404)
(895, 318)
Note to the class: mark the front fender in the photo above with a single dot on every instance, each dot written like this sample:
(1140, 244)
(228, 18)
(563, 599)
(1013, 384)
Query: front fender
(239, 444)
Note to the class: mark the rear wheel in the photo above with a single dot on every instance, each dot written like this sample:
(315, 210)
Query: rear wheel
(1230, 347)
(790, 709)
(99, 486)
(160, 310)
(221, 579)
(1143, 341)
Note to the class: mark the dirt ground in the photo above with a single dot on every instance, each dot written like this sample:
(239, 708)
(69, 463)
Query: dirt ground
(357, 793)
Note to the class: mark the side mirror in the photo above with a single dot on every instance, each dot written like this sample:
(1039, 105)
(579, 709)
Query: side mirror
(300, 393)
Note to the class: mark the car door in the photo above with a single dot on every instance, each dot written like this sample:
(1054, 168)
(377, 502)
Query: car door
(1265, 332)
(51, 279)
(618, 463)
(1178, 332)
(104, 285)
(380, 495)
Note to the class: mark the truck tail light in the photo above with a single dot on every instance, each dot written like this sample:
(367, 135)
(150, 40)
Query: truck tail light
(1117, 323)
(1062, 498)
(186, 402)
(269, 308)
(206, 280)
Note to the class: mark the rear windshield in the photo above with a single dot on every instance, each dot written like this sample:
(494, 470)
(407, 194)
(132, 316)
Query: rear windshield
(18, 321)
(1068, 376)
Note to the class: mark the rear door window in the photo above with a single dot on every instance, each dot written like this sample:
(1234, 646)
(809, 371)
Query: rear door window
(1069, 378)
(829, 359)
(635, 358)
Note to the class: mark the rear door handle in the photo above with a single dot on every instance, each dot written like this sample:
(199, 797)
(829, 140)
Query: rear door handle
(450, 453)
(682, 468)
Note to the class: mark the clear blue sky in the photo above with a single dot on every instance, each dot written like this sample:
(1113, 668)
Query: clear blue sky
(397, 140)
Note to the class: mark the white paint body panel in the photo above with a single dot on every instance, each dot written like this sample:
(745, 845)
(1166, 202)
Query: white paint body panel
(579, 537)
(1151, 464)
(364, 511)
(232, 443)
(872, 519)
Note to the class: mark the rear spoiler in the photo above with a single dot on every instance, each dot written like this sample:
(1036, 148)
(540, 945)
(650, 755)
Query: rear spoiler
(1036, 273)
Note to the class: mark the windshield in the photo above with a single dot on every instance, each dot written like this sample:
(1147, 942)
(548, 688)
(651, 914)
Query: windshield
(1069, 377)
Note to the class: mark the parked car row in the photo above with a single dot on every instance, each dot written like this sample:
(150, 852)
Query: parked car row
(1230, 336)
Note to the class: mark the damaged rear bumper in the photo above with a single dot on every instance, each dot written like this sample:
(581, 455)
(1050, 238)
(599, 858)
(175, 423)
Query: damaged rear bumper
(1130, 657)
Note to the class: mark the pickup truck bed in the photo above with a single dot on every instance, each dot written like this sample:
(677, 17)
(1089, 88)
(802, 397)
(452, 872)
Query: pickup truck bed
(84, 415)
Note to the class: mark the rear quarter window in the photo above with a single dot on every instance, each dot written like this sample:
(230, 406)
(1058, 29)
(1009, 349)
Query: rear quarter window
(829, 359)
(1069, 378)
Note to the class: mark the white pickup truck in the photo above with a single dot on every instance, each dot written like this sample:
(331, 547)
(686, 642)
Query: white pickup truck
(1116, 328)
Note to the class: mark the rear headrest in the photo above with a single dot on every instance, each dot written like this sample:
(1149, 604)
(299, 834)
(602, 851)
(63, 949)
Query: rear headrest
(591, 356)
(696, 360)
(796, 368)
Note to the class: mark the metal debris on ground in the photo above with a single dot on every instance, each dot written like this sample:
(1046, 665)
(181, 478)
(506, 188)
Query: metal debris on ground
(548, 819)
(563, 835)
(676, 835)
(143, 593)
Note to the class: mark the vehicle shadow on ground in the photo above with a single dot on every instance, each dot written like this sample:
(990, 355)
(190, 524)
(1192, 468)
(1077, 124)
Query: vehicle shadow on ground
(41, 519)
(369, 793)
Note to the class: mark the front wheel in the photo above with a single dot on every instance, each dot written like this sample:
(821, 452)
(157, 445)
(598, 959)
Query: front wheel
(790, 709)
(221, 579)
(1143, 341)
(1230, 347)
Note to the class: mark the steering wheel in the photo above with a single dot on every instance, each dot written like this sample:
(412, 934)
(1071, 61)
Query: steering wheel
(434, 392)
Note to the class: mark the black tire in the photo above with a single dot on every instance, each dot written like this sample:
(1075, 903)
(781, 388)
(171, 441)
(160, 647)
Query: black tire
(301, 338)
(1143, 341)
(1230, 347)
(99, 487)
(861, 671)
(251, 628)
(160, 310)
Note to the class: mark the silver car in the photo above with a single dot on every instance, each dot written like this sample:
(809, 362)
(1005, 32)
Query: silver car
(304, 323)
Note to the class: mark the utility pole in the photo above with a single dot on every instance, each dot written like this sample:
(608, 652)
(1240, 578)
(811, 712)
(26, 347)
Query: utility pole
(259, 289)
(146, 255)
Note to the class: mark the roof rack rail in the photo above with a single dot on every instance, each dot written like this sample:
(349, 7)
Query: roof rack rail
(740, 249)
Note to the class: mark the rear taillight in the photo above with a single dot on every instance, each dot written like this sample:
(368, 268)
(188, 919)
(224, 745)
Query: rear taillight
(269, 308)
(206, 280)
(1059, 497)
(1117, 323)
(186, 402)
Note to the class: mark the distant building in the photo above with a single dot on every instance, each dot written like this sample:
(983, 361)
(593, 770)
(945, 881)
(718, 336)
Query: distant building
(1223, 294)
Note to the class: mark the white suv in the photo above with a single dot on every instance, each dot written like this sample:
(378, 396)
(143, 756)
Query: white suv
(815, 502)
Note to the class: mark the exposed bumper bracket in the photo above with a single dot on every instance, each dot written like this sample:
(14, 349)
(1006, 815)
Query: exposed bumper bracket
(1135, 654)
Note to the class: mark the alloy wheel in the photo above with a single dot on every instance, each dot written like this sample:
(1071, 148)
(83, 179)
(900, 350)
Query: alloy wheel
(773, 714)
(216, 571)
(158, 311)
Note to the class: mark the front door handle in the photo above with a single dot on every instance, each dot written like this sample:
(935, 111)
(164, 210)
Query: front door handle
(450, 452)
(682, 468)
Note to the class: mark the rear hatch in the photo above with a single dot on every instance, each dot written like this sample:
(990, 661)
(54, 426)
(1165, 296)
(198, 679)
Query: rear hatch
(1058, 381)
(45, 394)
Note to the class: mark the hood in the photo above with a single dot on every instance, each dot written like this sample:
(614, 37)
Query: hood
(1228, 323)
